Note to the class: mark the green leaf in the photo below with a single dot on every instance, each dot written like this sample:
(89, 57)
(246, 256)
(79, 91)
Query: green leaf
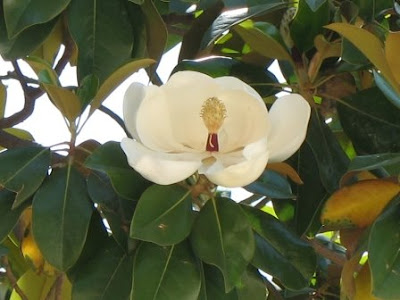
(331, 159)
(307, 24)
(371, 122)
(3, 99)
(116, 78)
(233, 17)
(61, 213)
(383, 254)
(213, 285)
(65, 100)
(156, 30)
(26, 42)
(222, 236)
(107, 275)
(374, 161)
(265, 39)
(110, 159)
(279, 252)
(387, 89)
(20, 133)
(165, 273)
(103, 34)
(117, 211)
(368, 44)
(8, 216)
(23, 171)
(163, 215)
(87, 90)
(40, 65)
(20, 15)
(271, 184)
(252, 287)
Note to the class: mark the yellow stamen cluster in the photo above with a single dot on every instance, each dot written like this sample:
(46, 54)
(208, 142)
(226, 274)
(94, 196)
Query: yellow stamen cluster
(213, 113)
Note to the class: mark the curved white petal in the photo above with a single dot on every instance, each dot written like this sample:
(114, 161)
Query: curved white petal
(239, 168)
(289, 116)
(186, 92)
(233, 83)
(246, 121)
(133, 97)
(154, 122)
(161, 168)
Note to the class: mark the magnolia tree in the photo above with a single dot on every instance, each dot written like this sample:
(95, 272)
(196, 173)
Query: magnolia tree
(151, 216)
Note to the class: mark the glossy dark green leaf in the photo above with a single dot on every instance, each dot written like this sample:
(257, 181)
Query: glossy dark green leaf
(222, 236)
(271, 184)
(97, 236)
(371, 122)
(219, 66)
(279, 252)
(165, 273)
(387, 89)
(383, 254)
(8, 216)
(310, 195)
(20, 15)
(156, 30)
(374, 161)
(87, 90)
(213, 286)
(252, 286)
(108, 275)
(163, 215)
(352, 55)
(103, 34)
(23, 170)
(117, 211)
(307, 24)
(110, 159)
(331, 159)
(370, 8)
(26, 42)
(233, 17)
(61, 213)
(3, 251)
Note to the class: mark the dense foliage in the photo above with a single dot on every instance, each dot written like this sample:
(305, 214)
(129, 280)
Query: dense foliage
(324, 224)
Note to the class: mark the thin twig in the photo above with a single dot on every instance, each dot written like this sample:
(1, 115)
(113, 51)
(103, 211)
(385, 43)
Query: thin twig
(320, 249)
(69, 47)
(12, 279)
(31, 94)
(115, 117)
(56, 290)
(272, 291)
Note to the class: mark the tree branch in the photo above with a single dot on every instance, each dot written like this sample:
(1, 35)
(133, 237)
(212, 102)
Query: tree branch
(320, 249)
(12, 278)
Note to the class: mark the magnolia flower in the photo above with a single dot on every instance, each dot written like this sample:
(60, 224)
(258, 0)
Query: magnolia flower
(219, 127)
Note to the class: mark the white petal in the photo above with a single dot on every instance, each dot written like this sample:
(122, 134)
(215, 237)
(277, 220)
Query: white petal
(132, 99)
(233, 170)
(186, 92)
(233, 83)
(153, 122)
(161, 168)
(289, 117)
(246, 122)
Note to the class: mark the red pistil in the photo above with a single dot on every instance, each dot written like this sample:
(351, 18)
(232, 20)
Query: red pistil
(212, 142)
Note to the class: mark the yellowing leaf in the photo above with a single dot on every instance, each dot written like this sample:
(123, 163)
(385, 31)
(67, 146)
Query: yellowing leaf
(363, 284)
(285, 169)
(3, 98)
(66, 101)
(50, 47)
(368, 44)
(22, 134)
(348, 284)
(42, 67)
(326, 48)
(392, 50)
(116, 78)
(358, 205)
(39, 287)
